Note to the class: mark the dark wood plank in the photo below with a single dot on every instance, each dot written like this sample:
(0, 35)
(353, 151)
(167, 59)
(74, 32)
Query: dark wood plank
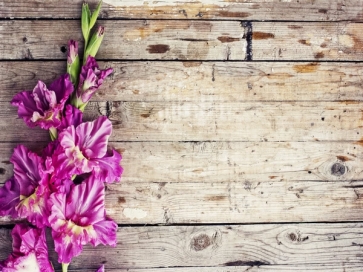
(303, 10)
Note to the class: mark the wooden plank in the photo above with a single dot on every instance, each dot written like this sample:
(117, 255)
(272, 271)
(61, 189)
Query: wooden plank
(202, 81)
(125, 39)
(234, 202)
(226, 161)
(307, 41)
(224, 247)
(210, 121)
(189, 40)
(343, 267)
(303, 10)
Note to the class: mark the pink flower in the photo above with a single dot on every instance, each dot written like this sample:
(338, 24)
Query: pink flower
(84, 150)
(33, 187)
(78, 218)
(90, 79)
(30, 252)
(72, 117)
(42, 106)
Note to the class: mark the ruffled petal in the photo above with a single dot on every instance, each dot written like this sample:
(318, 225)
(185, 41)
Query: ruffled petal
(26, 106)
(35, 208)
(106, 233)
(92, 137)
(63, 88)
(72, 117)
(85, 203)
(9, 198)
(26, 169)
(108, 168)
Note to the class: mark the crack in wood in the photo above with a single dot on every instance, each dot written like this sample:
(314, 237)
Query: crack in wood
(248, 31)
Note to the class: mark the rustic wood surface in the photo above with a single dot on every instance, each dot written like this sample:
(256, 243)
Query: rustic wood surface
(301, 10)
(240, 124)
(190, 40)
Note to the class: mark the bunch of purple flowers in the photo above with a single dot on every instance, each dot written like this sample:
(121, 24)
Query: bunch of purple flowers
(63, 187)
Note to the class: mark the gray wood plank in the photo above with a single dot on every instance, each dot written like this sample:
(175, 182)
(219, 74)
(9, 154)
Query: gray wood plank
(201, 81)
(225, 247)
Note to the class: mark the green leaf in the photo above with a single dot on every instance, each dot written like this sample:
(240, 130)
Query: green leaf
(85, 21)
(73, 70)
(95, 15)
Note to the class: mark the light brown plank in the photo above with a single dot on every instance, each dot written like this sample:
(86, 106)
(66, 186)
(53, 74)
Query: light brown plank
(202, 81)
(235, 201)
(320, 10)
(223, 246)
(188, 40)
(210, 121)
(226, 161)
(307, 41)
(135, 39)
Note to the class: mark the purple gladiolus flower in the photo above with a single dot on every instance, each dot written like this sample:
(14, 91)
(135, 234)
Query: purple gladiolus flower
(42, 106)
(78, 218)
(33, 187)
(84, 150)
(30, 252)
(90, 80)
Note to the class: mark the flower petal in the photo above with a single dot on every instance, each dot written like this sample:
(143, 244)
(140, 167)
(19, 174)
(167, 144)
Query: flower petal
(26, 169)
(9, 198)
(108, 168)
(26, 106)
(92, 137)
(72, 117)
(63, 88)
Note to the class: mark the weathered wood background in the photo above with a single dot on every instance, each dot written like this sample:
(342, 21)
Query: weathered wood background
(240, 124)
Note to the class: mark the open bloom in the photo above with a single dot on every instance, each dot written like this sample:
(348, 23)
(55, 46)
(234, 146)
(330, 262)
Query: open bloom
(30, 252)
(90, 79)
(33, 187)
(78, 218)
(83, 149)
(42, 106)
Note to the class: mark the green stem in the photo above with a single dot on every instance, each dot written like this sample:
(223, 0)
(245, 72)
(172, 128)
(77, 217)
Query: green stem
(65, 267)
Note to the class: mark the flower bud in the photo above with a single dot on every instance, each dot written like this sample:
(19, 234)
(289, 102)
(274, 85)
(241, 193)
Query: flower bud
(73, 65)
(94, 43)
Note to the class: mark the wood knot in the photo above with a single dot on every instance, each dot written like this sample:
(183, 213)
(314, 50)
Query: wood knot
(338, 169)
(297, 237)
(200, 242)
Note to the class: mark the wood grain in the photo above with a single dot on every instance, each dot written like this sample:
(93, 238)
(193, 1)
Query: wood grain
(224, 246)
(199, 162)
(209, 121)
(189, 40)
(233, 201)
(303, 10)
(202, 81)
(343, 267)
